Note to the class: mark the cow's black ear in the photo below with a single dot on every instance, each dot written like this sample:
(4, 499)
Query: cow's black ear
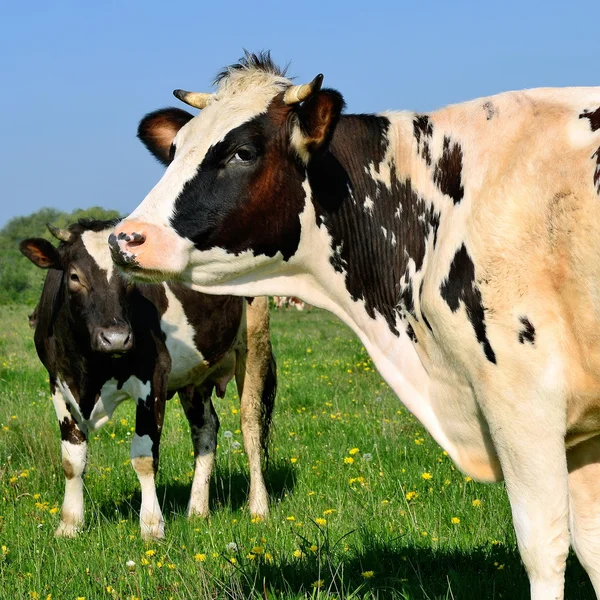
(158, 129)
(41, 253)
(315, 121)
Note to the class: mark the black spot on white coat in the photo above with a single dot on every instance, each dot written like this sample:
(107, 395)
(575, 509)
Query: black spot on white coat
(460, 286)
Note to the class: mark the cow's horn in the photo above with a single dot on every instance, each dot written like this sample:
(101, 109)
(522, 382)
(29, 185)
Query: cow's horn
(64, 235)
(298, 93)
(195, 99)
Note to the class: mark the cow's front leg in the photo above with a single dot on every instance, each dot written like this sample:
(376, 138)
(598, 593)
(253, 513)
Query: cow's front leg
(144, 458)
(204, 426)
(528, 429)
(74, 458)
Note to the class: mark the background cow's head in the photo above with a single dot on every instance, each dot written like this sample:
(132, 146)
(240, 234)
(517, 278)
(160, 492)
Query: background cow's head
(235, 187)
(90, 292)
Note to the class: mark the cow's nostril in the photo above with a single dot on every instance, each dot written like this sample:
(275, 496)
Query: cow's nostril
(135, 239)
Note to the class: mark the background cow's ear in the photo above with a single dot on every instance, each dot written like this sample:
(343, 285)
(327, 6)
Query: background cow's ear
(316, 119)
(158, 129)
(40, 252)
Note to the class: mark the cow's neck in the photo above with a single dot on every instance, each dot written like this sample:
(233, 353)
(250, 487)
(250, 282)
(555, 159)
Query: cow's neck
(380, 228)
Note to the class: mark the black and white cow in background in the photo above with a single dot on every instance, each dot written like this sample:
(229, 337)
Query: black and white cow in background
(463, 247)
(104, 340)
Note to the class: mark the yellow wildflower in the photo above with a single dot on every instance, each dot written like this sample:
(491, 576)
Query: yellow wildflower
(348, 460)
(353, 451)
(411, 495)
(427, 476)
(476, 503)
(200, 557)
(455, 520)
(318, 584)
(367, 574)
(320, 521)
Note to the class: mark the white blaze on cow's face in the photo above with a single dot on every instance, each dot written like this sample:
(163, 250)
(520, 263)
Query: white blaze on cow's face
(230, 200)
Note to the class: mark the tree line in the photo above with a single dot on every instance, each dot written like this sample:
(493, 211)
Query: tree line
(20, 281)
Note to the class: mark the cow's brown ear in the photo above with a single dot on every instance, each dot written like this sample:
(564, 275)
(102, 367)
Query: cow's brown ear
(40, 252)
(158, 129)
(315, 121)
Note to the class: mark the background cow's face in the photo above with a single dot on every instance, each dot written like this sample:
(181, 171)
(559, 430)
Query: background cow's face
(231, 198)
(93, 292)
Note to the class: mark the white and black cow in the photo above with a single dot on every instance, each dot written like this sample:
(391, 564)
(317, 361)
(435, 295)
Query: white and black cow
(462, 246)
(104, 340)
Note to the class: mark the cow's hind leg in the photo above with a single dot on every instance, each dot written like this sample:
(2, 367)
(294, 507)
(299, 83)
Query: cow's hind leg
(204, 426)
(144, 459)
(74, 457)
(584, 489)
(256, 378)
(528, 428)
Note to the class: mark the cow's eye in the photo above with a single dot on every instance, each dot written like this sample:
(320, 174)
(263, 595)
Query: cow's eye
(75, 278)
(244, 155)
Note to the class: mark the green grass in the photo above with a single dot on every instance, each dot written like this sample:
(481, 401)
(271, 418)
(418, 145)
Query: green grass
(383, 515)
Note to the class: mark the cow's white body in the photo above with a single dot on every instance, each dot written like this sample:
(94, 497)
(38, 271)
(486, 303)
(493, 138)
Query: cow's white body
(513, 392)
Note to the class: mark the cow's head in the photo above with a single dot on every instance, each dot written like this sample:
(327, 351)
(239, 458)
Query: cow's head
(92, 293)
(231, 199)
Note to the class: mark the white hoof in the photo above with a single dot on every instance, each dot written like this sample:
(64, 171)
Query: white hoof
(68, 530)
(153, 530)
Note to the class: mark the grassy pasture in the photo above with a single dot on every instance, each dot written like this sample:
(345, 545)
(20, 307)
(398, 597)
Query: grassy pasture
(364, 503)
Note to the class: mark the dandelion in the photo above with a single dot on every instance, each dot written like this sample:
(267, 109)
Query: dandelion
(367, 457)
(268, 557)
(467, 479)
(236, 445)
(318, 584)
(476, 503)
(200, 557)
(411, 495)
(150, 552)
(427, 476)
(144, 561)
(290, 518)
(228, 435)
(320, 521)
(353, 451)
(130, 564)
(348, 460)
(313, 548)
(455, 520)
(368, 574)
(294, 459)
(298, 553)
(109, 589)
(329, 511)
(232, 547)
(258, 550)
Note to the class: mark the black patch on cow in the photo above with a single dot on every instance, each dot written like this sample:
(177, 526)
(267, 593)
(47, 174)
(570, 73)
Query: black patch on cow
(252, 206)
(410, 332)
(527, 334)
(69, 432)
(490, 110)
(593, 116)
(423, 130)
(460, 285)
(375, 265)
(212, 318)
(447, 174)
(596, 156)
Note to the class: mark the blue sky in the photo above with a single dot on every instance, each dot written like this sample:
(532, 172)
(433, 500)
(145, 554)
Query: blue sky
(76, 77)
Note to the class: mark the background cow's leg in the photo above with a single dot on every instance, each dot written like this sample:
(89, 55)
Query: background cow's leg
(256, 381)
(144, 458)
(528, 432)
(584, 489)
(204, 426)
(74, 458)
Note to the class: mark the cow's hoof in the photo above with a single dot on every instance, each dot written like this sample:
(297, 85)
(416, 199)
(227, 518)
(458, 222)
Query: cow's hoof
(259, 508)
(67, 530)
(153, 531)
(195, 512)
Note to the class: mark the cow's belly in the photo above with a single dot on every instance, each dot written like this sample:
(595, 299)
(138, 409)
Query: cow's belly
(189, 367)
